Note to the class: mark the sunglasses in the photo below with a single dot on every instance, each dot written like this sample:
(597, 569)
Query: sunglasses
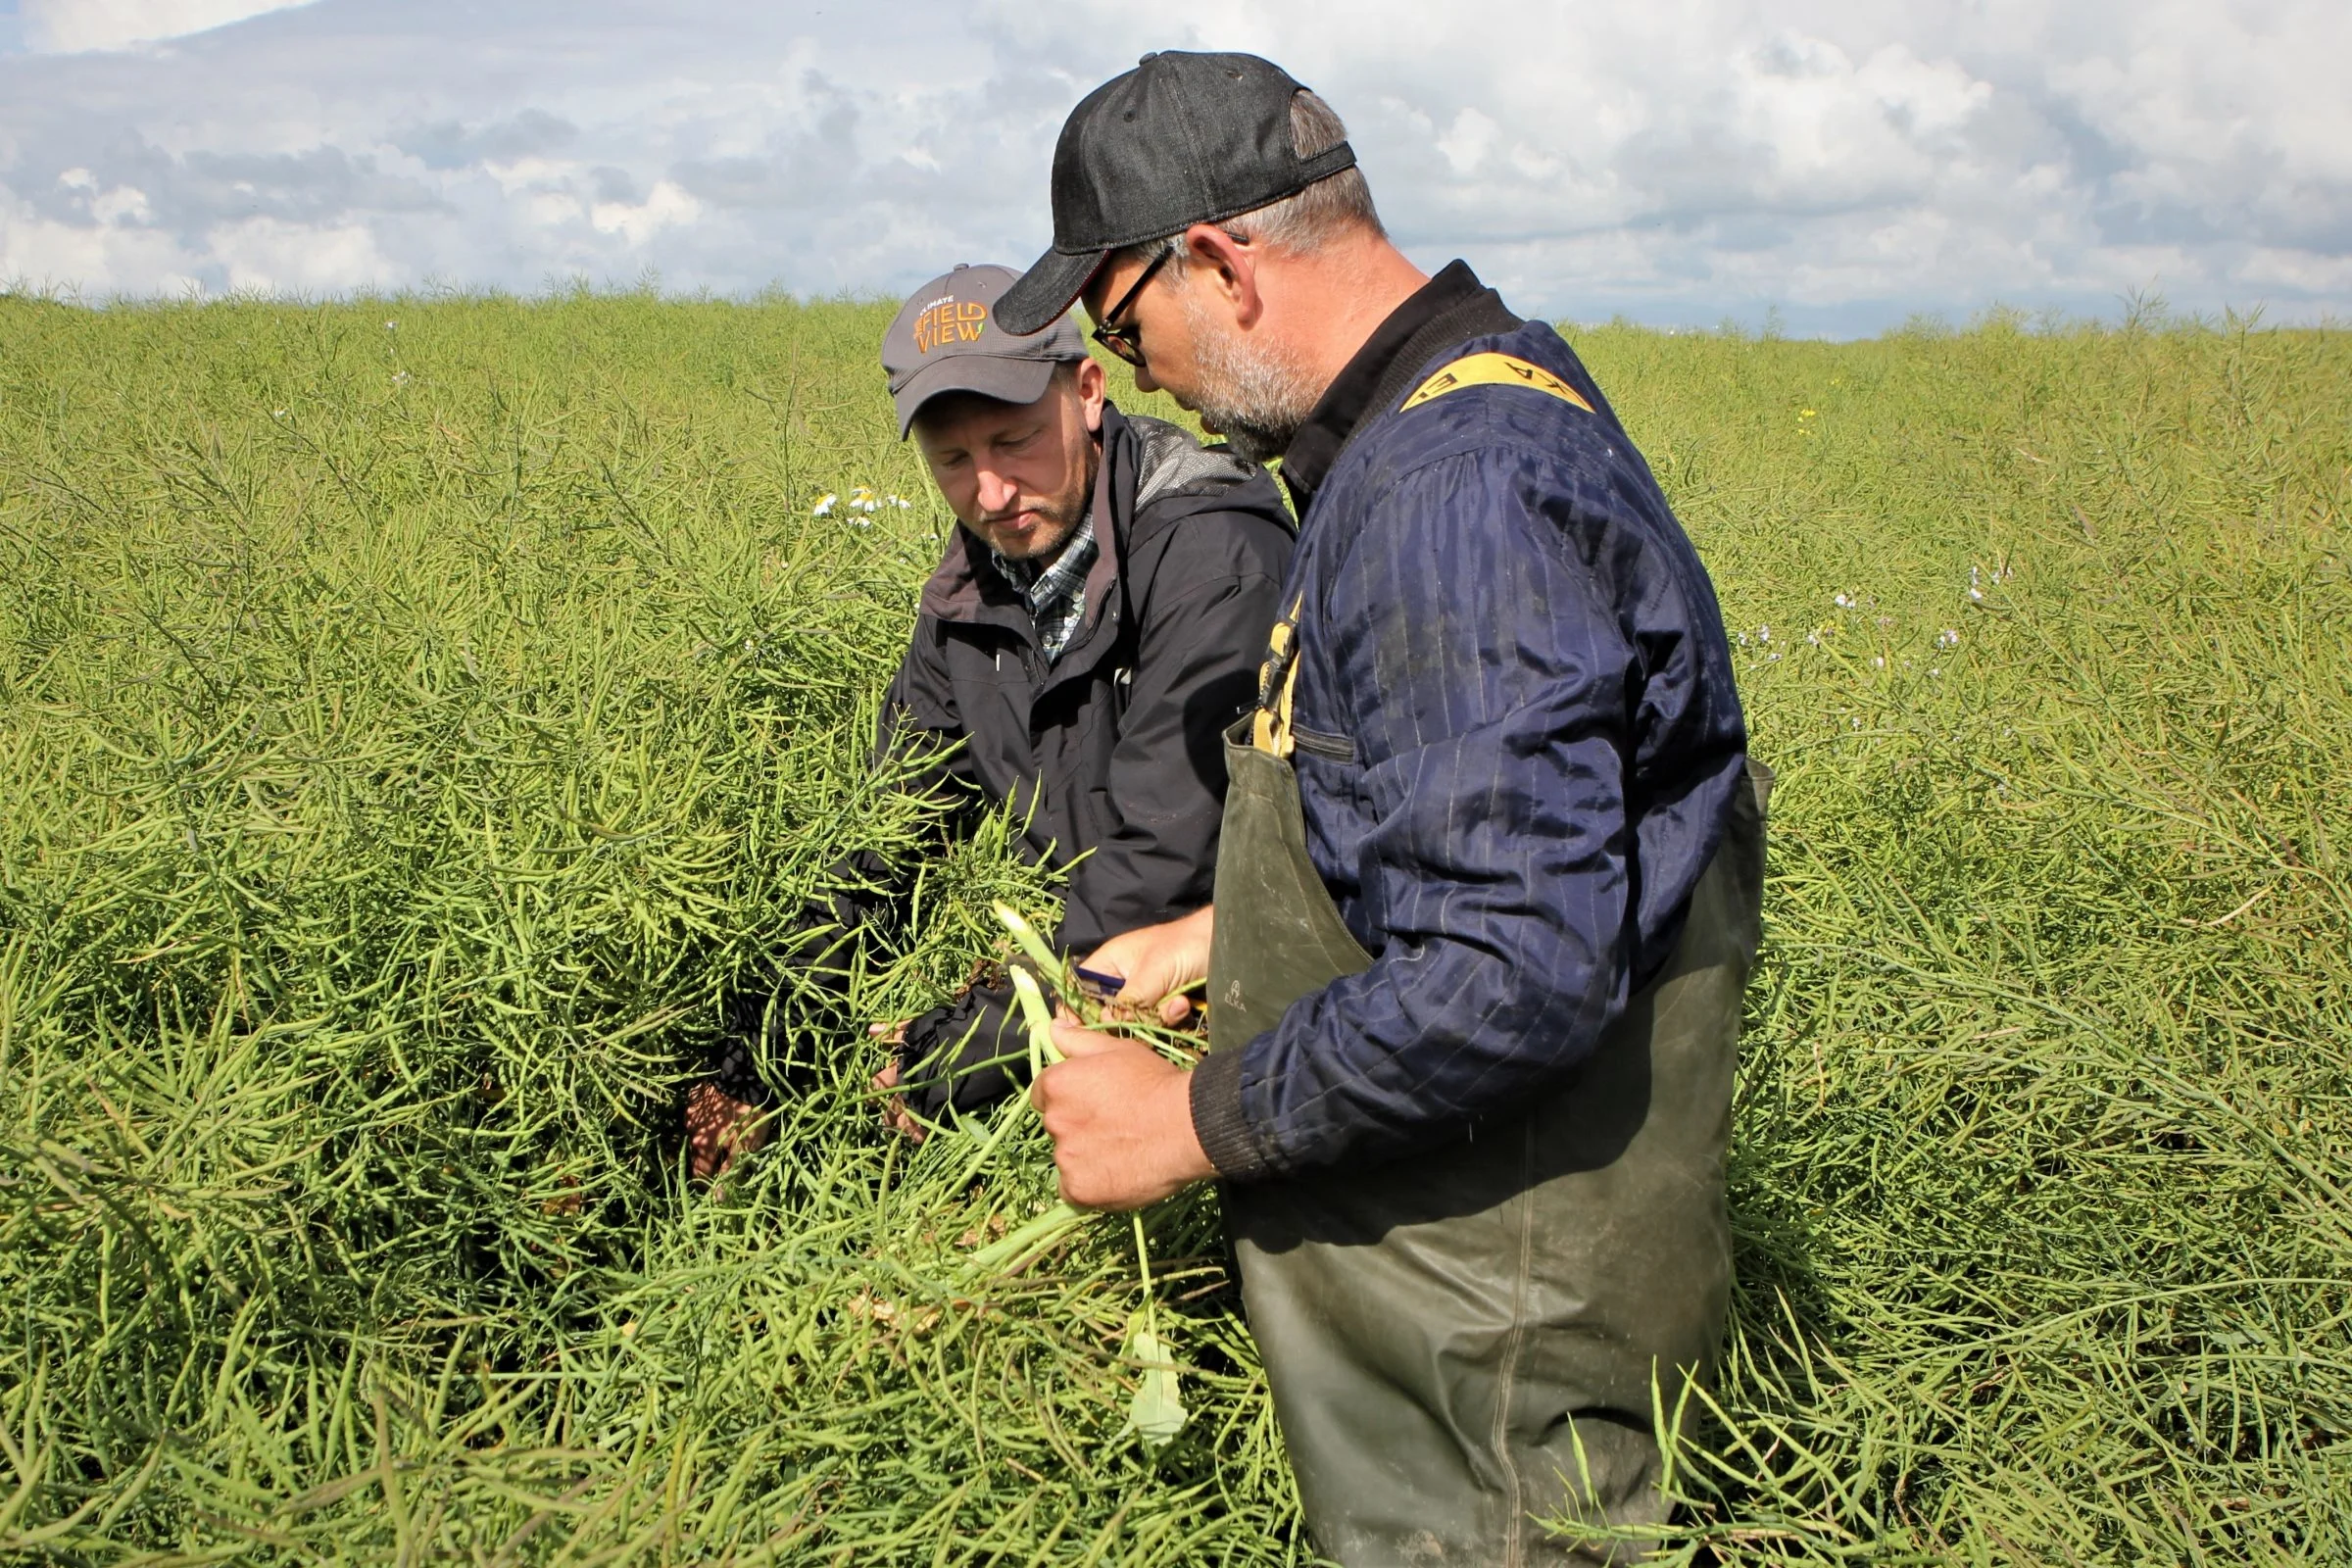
(1122, 340)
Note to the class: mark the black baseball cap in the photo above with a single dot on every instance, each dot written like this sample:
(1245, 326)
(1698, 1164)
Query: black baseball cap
(945, 339)
(1181, 139)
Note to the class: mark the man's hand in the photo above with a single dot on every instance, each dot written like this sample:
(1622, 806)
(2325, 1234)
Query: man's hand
(894, 1114)
(1122, 1119)
(719, 1127)
(1157, 962)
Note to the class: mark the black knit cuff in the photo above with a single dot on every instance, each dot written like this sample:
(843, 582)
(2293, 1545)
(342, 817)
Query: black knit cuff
(1226, 1135)
(735, 1072)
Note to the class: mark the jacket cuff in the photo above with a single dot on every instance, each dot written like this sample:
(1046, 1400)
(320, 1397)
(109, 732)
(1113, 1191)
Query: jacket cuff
(1225, 1133)
(736, 1073)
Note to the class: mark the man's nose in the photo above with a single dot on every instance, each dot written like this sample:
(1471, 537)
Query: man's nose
(1143, 379)
(998, 491)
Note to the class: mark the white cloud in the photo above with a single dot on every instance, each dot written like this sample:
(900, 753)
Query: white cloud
(552, 209)
(125, 204)
(74, 25)
(95, 260)
(1468, 141)
(1848, 163)
(663, 207)
(269, 255)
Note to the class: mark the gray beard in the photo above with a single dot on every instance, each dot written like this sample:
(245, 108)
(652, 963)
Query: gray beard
(1255, 397)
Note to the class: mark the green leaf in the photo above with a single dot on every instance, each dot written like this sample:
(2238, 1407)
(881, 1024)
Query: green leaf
(1156, 1414)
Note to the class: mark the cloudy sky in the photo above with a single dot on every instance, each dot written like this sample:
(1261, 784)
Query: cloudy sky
(1844, 163)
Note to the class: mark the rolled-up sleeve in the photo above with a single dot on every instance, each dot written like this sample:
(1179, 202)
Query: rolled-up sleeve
(1472, 639)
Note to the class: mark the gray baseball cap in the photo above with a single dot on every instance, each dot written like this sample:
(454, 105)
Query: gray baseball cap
(946, 338)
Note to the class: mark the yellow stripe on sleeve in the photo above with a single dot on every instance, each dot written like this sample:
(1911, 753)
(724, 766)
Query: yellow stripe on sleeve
(1493, 370)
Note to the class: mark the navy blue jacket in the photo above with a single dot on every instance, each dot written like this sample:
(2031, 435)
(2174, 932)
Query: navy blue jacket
(1518, 739)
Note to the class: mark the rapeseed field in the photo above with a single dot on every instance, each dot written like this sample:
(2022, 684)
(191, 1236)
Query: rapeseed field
(415, 715)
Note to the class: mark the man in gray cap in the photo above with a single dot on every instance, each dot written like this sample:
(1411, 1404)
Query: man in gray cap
(1488, 888)
(1094, 625)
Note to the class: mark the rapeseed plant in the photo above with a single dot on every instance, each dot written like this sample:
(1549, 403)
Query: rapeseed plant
(390, 794)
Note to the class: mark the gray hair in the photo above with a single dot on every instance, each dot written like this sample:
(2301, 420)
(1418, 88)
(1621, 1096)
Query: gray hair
(1301, 220)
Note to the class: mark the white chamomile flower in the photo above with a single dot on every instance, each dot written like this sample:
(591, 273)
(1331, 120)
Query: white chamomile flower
(824, 505)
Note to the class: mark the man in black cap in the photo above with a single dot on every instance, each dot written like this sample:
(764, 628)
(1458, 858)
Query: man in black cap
(1094, 626)
(1490, 880)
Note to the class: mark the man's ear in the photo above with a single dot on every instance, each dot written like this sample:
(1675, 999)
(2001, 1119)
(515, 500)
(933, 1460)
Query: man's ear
(1092, 389)
(1227, 268)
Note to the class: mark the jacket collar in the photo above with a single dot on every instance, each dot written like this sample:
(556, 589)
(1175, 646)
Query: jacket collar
(1451, 308)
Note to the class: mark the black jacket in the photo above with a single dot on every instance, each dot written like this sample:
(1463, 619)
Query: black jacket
(1113, 748)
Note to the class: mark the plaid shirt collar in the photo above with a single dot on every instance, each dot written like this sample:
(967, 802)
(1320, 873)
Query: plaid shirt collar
(1056, 594)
